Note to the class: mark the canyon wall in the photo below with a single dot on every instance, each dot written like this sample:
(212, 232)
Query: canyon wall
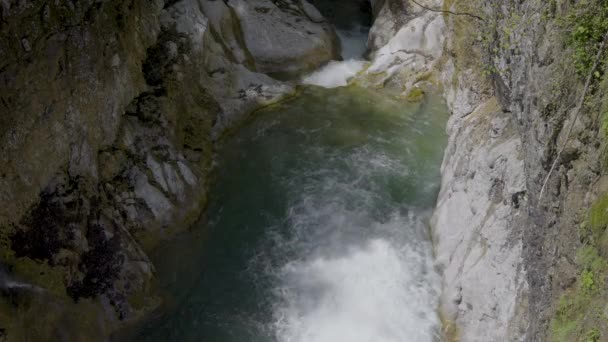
(519, 227)
(109, 111)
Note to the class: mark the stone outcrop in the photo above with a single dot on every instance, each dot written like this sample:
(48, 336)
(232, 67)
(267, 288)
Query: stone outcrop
(516, 265)
(406, 44)
(508, 249)
(478, 222)
(481, 210)
(477, 225)
(109, 111)
(279, 41)
(108, 115)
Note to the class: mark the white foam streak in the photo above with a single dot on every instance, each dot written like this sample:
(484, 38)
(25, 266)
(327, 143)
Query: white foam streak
(356, 263)
(10, 284)
(335, 74)
(355, 279)
(372, 294)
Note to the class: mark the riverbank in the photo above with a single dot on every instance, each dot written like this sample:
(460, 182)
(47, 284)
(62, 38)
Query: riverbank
(110, 113)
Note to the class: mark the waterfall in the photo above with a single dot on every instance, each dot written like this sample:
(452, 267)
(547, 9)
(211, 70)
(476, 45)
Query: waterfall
(7, 283)
(353, 38)
(335, 74)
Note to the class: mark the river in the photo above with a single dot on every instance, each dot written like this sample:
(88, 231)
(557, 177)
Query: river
(317, 229)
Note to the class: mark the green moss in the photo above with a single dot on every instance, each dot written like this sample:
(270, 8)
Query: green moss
(415, 95)
(580, 312)
(371, 80)
(449, 330)
(587, 23)
(598, 215)
(6, 252)
(593, 335)
(145, 300)
(470, 40)
(604, 124)
(24, 320)
(447, 6)
(40, 274)
(587, 282)
(589, 259)
(424, 77)
(562, 330)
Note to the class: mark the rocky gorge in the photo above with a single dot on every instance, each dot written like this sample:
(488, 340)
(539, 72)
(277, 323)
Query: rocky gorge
(112, 112)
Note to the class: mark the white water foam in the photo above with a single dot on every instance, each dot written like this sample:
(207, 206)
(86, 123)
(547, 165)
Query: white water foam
(339, 73)
(335, 74)
(373, 294)
(350, 277)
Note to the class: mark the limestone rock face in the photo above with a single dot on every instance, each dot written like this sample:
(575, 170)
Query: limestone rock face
(285, 37)
(108, 115)
(479, 222)
(508, 232)
(480, 218)
(389, 17)
(406, 43)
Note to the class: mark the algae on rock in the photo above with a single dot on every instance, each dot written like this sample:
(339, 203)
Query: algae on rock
(108, 115)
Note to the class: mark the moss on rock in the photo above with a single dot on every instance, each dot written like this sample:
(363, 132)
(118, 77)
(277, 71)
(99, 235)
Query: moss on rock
(581, 314)
(415, 95)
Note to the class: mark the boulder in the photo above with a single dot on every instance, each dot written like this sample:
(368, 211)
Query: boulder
(285, 38)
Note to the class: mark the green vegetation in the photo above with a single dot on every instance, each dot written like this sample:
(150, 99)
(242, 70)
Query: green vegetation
(587, 283)
(415, 95)
(587, 23)
(593, 335)
(598, 216)
(40, 274)
(467, 47)
(581, 311)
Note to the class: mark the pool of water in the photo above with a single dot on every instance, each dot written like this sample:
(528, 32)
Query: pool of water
(317, 229)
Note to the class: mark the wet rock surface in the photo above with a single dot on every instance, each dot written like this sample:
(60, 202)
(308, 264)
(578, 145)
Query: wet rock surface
(108, 114)
(509, 253)
(509, 256)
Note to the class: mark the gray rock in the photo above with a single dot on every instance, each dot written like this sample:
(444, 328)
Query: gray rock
(312, 12)
(404, 46)
(187, 18)
(281, 42)
(477, 225)
(159, 205)
(478, 240)
(25, 44)
(157, 172)
(175, 183)
(185, 171)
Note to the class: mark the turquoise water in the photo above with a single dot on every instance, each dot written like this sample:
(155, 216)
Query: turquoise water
(317, 228)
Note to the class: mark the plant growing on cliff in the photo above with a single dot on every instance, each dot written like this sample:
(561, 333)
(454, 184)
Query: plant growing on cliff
(587, 24)
(587, 282)
(593, 335)
(581, 311)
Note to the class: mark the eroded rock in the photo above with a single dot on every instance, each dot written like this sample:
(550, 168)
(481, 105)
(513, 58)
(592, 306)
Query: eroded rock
(108, 116)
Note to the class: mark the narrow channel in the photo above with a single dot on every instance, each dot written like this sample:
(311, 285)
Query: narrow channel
(317, 229)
